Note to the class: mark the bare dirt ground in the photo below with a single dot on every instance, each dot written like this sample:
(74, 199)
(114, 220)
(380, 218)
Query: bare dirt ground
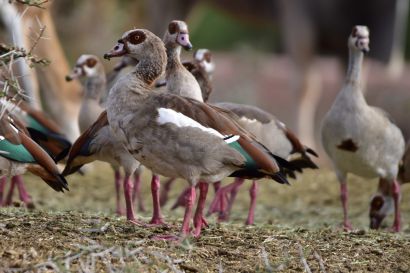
(297, 228)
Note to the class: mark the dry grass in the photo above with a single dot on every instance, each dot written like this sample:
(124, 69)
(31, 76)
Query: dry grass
(297, 230)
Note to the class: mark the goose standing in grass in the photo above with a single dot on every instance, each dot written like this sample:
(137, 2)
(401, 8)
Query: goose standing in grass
(177, 136)
(19, 153)
(359, 138)
(265, 127)
(178, 79)
(96, 143)
(41, 130)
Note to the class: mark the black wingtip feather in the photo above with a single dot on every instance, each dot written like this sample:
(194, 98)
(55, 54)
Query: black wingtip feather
(62, 155)
(58, 184)
(68, 171)
(280, 178)
(312, 152)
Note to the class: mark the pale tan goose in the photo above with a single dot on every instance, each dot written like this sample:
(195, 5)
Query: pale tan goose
(177, 136)
(90, 71)
(358, 138)
(265, 127)
(178, 79)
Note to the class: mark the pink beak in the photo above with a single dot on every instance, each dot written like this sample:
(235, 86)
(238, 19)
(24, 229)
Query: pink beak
(118, 51)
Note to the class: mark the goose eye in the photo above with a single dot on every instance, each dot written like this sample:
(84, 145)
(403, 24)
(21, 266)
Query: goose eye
(136, 38)
(91, 62)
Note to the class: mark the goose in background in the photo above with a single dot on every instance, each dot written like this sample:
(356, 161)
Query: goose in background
(359, 138)
(98, 144)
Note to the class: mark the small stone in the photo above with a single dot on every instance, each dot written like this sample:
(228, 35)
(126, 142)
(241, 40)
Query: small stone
(10, 225)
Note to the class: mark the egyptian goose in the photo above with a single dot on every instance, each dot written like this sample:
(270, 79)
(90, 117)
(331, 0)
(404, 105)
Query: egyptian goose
(202, 67)
(40, 129)
(178, 79)
(265, 127)
(359, 138)
(19, 153)
(98, 146)
(177, 136)
(382, 203)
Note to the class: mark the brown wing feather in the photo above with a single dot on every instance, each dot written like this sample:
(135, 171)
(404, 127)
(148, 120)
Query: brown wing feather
(221, 121)
(75, 150)
(51, 173)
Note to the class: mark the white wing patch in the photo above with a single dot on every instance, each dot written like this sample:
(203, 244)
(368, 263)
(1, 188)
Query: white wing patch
(245, 119)
(231, 138)
(166, 115)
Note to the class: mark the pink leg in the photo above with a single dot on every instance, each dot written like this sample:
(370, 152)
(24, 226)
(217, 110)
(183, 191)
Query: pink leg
(136, 194)
(3, 182)
(189, 201)
(216, 185)
(234, 191)
(396, 198)
(24, 196)
(181, 199)
(117, 180)
(253, 191)
(128, 186)
(9, 198)
(199, 221)
(218, 204)
(165, 191)
(156, 216)
(344, 197)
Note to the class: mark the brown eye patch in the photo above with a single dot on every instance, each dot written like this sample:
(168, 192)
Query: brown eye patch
(207, 56)
(354, 31)
(377, 203)
(173, 28)
(91, 62)
(136, 37)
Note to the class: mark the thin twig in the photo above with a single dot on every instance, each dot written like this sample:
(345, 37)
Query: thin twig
(320, 260)
(264, 256)
(303, 260)
(32, 3)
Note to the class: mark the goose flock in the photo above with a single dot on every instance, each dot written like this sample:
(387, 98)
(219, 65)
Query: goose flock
(157, 115)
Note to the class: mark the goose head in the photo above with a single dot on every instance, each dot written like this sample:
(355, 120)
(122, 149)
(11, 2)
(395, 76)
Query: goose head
(136, 44)
(380, 206)
(87, 66)
(144, 49)
(177, 34)
(203, 58)
(359, 39)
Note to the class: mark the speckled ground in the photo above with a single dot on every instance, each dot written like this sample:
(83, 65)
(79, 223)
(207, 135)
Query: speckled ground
(297, 228)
